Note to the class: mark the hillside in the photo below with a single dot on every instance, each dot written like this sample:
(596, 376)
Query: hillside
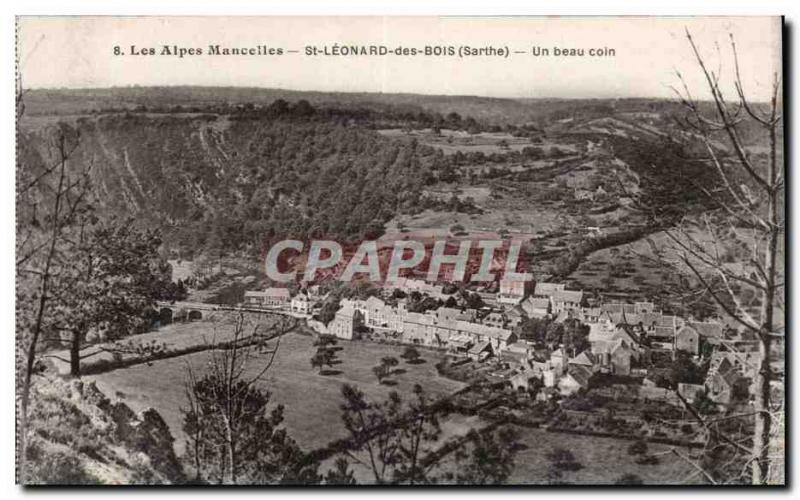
(222, 177)
(79, 437)
(223, 183)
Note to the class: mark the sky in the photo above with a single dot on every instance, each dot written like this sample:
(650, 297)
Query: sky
(78, 52)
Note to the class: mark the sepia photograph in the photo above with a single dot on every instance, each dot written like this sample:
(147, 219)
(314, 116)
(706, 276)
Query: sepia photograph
(400, 251)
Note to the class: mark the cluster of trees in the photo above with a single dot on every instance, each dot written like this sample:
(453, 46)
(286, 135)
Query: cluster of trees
(239, 186)
(568, 262)
(680, 368)
(467, 158)
(234, 435)
(573, 334)
(337, 290)
(83, 276)
(743, 192)
(375, 116)
(398, 442)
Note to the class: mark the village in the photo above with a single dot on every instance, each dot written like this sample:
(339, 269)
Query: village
(630, 344)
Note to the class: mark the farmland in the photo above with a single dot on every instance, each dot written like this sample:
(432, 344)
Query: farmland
(630, 268)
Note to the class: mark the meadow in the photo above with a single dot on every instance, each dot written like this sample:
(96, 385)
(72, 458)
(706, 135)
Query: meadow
(603, 460)
(311, 399)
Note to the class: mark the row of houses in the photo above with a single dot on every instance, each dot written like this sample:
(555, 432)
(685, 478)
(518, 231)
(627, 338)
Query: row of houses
(409, 285)
(729, 377)
(640, 320)
(637, 323)
(303, 302)
(619, 333)
(444, 327)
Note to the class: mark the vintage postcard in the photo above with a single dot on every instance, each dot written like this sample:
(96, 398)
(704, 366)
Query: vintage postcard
(400, 251)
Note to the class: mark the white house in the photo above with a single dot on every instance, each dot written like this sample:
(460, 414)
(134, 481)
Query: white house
(344, 324)
(536, 307)
(271, 298)
(511, 292)
(301, 304)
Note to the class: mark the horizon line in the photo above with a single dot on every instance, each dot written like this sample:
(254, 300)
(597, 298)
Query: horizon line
(353, 92)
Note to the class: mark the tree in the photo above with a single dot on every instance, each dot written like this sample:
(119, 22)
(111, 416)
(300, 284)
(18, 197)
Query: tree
(411, 355)
(450, 288)
(384, 369)
(323, 357)
(684, 370)
(491, 459)
(328, 310)
(418, 302)
(50, 199)
(554, 333)
(703, 404)
(747, 213)
(575, 336)
(473, 300)
(381, 372)
(340, 475)
(534, 329)
(398, 442)
(326, 352)
(394, 441)
(389, 362)
(110, 289)
(233, 437)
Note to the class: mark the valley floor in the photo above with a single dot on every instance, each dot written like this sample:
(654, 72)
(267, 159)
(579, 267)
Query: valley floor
(312, 400)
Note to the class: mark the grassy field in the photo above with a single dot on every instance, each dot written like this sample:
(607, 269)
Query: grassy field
(521, 223)
(604, 460)
(630, 267)
(213, 328)
(312, 400)
(453, 141)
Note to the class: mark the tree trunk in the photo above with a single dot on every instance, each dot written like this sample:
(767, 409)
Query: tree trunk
(231, 456)
(763, 424)
(75, 355)
(763, 379)
(229, 449)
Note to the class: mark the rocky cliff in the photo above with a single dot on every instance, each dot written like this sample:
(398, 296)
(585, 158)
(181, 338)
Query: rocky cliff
(77, 435)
